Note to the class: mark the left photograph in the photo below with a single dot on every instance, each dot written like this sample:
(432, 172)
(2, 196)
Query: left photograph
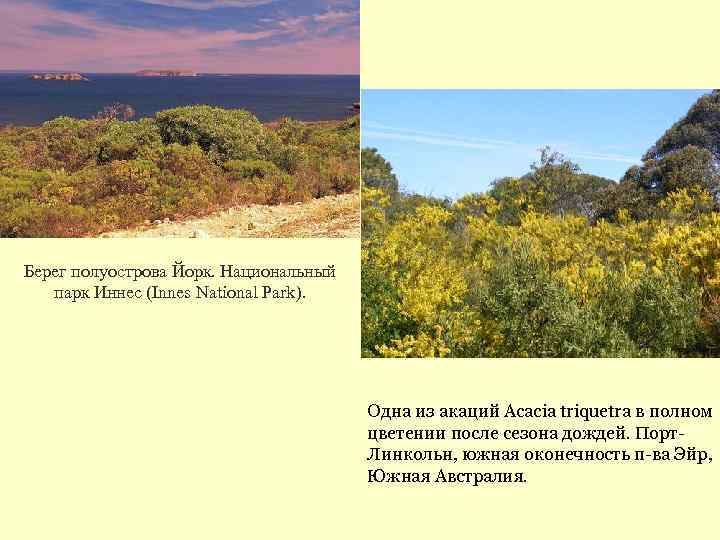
(179, 118)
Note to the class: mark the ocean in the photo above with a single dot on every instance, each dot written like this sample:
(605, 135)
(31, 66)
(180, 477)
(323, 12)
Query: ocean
(269, 97)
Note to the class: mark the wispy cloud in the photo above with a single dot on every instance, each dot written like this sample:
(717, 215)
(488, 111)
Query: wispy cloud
(228, 36)
(423, 139)
(383, 127)
(377, 130)
(62, 28)
(203, 5)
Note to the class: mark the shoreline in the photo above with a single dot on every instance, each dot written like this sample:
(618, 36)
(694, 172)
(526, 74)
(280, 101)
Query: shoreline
(269, 124)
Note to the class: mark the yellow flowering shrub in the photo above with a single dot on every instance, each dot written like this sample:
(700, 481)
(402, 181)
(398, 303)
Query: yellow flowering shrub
(421, 346)
(557, 262)
(416, 257)
(686, 203)
(448, 281)
(695, 246)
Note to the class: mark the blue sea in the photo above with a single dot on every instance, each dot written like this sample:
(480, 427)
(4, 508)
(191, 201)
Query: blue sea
(269, 97)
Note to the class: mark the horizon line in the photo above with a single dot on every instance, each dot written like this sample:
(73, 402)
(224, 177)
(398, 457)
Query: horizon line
(171, 69)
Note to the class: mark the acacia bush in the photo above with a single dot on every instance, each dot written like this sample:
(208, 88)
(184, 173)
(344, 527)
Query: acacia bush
(71, 177)
(444, 282)
(555, 263)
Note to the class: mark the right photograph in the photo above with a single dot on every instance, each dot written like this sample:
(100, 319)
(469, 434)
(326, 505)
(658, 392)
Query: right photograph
(540, 223)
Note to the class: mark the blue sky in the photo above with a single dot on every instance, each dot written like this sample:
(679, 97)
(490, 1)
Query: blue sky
(227, 36)
(451, 142)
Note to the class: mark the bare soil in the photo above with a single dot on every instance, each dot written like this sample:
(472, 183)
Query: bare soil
(336, 216)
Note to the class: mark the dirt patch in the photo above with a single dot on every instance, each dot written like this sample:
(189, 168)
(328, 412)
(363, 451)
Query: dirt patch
(337, 216)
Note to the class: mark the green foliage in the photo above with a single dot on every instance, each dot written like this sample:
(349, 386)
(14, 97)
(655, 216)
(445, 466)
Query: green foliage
(556, 263)
(292, 131)
(555, 185)
(224, 134)
(9, 156)
(700, 127)
(659, 311)
(26, 210)
(383, 320)
(686, 157)
(288, 157)
(73, 177)
(685, 168)
(405, 204)
(130, 140)
(515, 196)
(132, 177)
(338, 142)
(69, 143)
(538, 317)
(627, 195)
(250, 168)
(378, 173)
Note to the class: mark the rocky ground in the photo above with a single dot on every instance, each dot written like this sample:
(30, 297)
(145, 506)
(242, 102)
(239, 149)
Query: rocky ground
(337, 216)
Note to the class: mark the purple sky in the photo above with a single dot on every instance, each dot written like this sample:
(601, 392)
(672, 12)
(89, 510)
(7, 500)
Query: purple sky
(213, 36)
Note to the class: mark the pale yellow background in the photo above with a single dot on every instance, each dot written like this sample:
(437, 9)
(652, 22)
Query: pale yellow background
(249, 420)
(174, 421)
(539, 44)
(245, 421)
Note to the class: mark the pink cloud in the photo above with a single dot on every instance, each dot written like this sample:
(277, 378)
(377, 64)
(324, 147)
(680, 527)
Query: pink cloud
(118, 48)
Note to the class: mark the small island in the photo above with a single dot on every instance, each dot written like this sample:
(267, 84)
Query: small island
(58, 77)
(166, 73)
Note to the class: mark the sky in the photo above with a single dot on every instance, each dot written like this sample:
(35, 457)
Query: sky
(452, 142)
(209, 36)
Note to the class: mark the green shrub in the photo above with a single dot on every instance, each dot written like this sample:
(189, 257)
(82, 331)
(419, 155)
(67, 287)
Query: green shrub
(274, 189)
(382, 319)
(71, 144)
(132, 177)
(292, 131)
(250, 168)
(125, 210)
(290, 157)
(188, 161)
(71, 177)
(224, 134)
(130, 140)
(9, 156)
(659, 311)
(538, 317)
(334, 143)
(54, 219)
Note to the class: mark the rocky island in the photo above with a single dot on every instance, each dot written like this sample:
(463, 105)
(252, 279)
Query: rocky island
(166, 73)
(58, 77)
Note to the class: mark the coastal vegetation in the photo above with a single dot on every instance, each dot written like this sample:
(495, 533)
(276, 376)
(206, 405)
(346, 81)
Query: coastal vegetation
(76, 177)
(556, 263)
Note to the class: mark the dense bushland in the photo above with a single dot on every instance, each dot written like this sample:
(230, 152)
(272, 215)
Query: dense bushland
(556, 263)
(71, 177)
